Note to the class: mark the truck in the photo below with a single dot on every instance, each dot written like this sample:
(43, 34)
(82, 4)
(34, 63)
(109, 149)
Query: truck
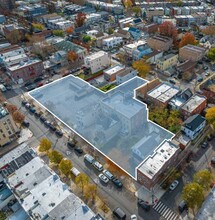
(2, 88)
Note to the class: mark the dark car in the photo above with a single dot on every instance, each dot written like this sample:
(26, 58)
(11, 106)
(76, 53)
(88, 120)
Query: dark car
(182, 206)
(172, 81)
(143, 204)
(52, 127)
(42, 118)
(24, 102)
(8, 87)
(37, 114)
(70, 144)
(117, 183)
(78, 150)
(32, 109)
(200, 79)
(119, 213)
(204, 145)
(25, 124)
(27, 105)
(28, 84)
(29, 88)
(59, 133)
(47, 123)
(38, 79)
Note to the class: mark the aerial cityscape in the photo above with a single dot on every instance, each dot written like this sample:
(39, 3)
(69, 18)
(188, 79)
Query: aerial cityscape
(107, 109)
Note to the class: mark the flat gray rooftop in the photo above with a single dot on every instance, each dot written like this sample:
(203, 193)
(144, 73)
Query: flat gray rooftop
(113, 122)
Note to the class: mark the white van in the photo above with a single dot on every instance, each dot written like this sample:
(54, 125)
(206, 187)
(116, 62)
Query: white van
(75, 171)
(89, 158)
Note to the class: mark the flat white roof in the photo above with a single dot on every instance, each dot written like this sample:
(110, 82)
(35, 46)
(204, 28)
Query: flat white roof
(114, 69)
(96, 55)
(135, 44)
(23, 64)
(112, 38)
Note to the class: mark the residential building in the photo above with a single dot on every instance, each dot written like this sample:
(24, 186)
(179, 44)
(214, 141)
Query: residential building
(8, 128)
(38, 189)
(185, 67)
(135, 33)
(125, 75)
(2, 19)
(160, 42)
(162, 94)
(184, 20)
(167, 61)
(150, 28)
(195, 105)
(200, 18)
(111, 42)
(156, 11)
(126, 36)
(162, 159)
(110, 73)
(30, 11)
(97, 61)
(7, 4)
(193, 126)
(125, 22)
(154, 56)
(60, 24)
(162, 19)
(191, 52)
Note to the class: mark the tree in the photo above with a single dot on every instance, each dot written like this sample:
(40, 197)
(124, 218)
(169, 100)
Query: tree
(168, 29)
(128, 4)
(203, 178)
(80, 19)
(3, 216)
(187, 76)
(210, 116)
(18, 117)
(55, 157)
(174, 122)
(72, 56)
(211, 54)
(45, 145)
(11, 108)
(69, 30)
(14, 36)
(38, 26)
(209, 30)
(193, 195)
(90, 192)
(59, 33)
(2, 98)
(137, 10)
(86, 38)
(188, 38)
(142, 67)
(82, 180)
(65, 166)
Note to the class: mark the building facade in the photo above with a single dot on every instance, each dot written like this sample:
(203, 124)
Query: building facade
(159, 42)
(168, 61)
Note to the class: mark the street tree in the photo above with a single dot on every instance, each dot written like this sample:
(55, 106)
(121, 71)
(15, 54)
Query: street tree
(69, 30)
(188, 38)
(11, 108)
(72, 56)
(209, 30)
(137, 11)
(167, 28)
(55, 156)
(193, 195)
(86, 38)
(18, 117)
(210, 116)
(59, 33)
(90, 192)
(80, 19)
(14, 36)
(65, 166)
(110, 31)
(38, 26)
(82, 180)
(45, 145)
(203, 178)
(211, 54)
(142, 67)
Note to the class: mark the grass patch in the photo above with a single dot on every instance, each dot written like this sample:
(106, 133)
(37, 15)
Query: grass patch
(89, 76)
(107, 87)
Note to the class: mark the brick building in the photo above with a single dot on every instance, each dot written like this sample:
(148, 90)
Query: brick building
(159, 42)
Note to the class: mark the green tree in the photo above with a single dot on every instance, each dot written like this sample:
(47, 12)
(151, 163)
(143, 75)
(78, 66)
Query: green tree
(110, 31)
(55, 157)
(203, 178)
(3, 216)
(38, 26)
(65, 166)
(86, 38)
(174, 121)
(142, 67)
(59, 33)
(210, 116)
(90, 192)
(211, 54)
(137, 10)
(193, 195)
(45, 145)
(82, 180)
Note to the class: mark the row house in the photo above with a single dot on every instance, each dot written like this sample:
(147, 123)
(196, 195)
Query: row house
(160, 42)
(167, 61)
(112, 42)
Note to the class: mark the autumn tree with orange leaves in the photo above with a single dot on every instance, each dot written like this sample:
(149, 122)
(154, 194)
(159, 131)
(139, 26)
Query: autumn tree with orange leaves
(188, 38)
(80, 19)
(72, 56)
(168, 29)
(69, 30)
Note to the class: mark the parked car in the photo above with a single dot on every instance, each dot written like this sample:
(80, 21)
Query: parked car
(204, 144)
(52, 127)
(89, 158)
(37, 114)
(38, 79)
(70, 144)
(207, 74)
(40, 84)
(30, 87)
(108, 174)
(200, 79)
(78, 150)
(172, 81)
(75, 171)
(144, 205)
(213, 160)
(59, 133)
(24, 102)
(47, 123)
(25, 123)
(133, 217)
(119, 213)
(205, 67)
(117, 183)
(173, 185)
(103, 178)
(98, 166)
(27, 105)
(32, 109)
(8, 87)
(182, 206)
(42, 118)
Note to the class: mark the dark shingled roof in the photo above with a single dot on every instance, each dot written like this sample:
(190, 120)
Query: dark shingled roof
(193, 122)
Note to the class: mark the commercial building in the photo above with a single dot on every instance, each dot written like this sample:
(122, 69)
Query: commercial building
(191, 52)
(38, 189)
(159, 42)
(167, 61)
(8, 128)
(195, 105)
(97, 61)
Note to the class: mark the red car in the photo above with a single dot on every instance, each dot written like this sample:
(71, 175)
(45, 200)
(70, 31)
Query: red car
(40, 84)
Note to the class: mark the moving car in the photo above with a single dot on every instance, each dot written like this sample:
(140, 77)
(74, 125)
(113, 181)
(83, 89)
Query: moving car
(182, 206)
(103, 178)
(143, 204)
(98, 166)
(117, 183)
(119, 213)
(108, 174)
(174, 185)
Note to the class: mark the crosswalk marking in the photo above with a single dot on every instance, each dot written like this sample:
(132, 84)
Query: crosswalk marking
(166, 212)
